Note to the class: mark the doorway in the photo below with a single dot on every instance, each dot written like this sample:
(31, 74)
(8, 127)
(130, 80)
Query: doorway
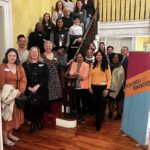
(2, 37)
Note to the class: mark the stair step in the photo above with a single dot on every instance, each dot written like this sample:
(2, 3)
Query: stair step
(66, 122)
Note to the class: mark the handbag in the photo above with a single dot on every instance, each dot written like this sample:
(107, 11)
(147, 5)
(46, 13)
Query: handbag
(34, 99)
(20, 101)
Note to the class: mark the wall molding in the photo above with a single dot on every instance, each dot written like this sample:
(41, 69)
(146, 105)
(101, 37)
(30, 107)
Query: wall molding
(7, 5)
(124, 29)
(5, 0)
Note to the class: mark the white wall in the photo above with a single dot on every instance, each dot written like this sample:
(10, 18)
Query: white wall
(119, 34)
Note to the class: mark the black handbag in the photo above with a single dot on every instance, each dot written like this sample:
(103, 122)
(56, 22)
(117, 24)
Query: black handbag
(34, 99)
(20, 101)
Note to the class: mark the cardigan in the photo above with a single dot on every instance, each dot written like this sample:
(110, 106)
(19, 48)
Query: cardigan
(118, 78)
(84, 71)
(99, 77)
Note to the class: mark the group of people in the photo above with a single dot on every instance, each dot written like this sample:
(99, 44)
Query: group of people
(64, 28)
(100, 80)
(100, 75)
(37, 75)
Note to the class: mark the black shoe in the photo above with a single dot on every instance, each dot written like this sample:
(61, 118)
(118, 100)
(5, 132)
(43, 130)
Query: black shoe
(32, 127)
(98, 127)
(118, 116)
(39, 125)
(110, 115)
(82, 121)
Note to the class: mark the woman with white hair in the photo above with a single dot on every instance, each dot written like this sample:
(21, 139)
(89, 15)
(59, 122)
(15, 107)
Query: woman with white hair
(54, 85)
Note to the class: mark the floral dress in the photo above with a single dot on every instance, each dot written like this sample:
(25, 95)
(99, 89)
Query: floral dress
(54, 85)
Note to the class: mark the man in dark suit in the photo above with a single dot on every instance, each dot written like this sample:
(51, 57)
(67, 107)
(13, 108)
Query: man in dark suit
(124, 53)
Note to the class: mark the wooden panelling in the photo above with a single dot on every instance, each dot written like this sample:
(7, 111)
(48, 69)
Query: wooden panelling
(120, 10)
(142, 8)
(113, 10)
(108, 10)
(104, 10)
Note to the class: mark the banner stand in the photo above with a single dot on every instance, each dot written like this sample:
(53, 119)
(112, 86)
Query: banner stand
(136, 111)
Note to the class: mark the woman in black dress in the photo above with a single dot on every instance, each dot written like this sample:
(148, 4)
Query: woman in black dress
(37, 77)
(47, 25)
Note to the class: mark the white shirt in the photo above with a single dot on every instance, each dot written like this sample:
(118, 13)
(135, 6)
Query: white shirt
(23, 55)
(75, 30)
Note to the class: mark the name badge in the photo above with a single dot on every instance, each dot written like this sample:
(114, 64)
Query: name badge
(7, 69)
(41, 65)
(55, 58)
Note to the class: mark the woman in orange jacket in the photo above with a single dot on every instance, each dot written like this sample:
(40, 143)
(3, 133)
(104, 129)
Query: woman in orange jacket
(80, 69)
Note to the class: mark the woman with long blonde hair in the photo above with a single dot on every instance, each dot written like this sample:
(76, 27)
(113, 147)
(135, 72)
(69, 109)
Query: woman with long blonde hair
(37, 77)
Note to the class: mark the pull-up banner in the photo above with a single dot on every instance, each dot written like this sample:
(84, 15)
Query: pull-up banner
(137, 97)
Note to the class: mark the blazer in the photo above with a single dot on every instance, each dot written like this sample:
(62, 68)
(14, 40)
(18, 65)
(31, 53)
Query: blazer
(84, 71)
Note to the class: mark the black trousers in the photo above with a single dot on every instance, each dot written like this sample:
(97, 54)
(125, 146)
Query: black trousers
(99, 103)
(81, 97)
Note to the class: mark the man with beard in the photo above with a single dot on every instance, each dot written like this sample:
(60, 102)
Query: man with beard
(22, 52)
(110, 50)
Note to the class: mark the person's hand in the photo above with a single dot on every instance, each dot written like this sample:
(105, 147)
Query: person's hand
(30, 89)
(105, 92)
(79, 40)
(35, 88)
(70, 62)
(80, 77)
(91, 90)
(18, 93)
(81, 24)
(76, 74)
(60, 51)
(90, 15)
